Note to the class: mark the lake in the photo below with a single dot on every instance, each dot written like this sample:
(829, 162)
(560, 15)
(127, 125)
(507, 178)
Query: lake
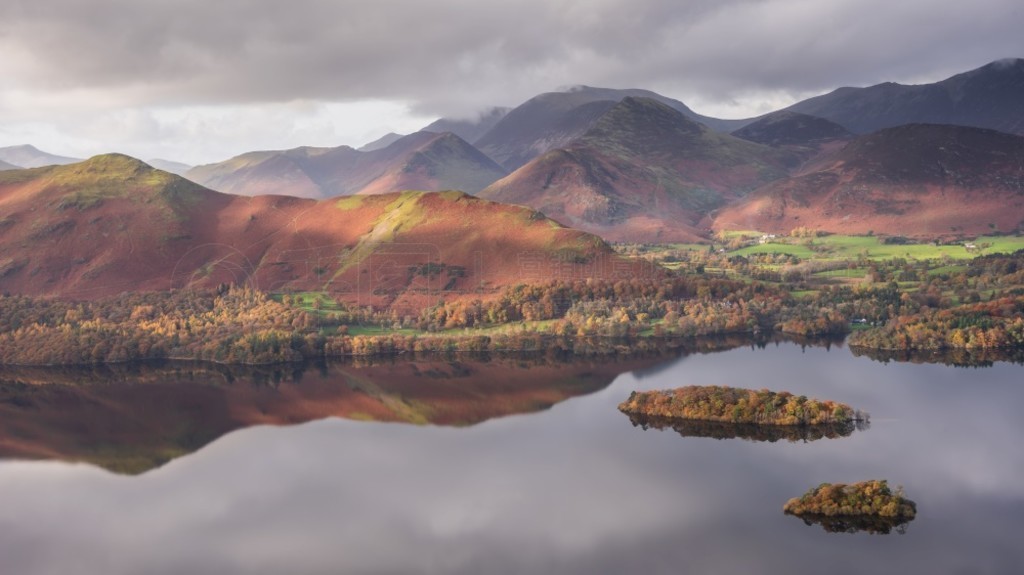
(513, 465)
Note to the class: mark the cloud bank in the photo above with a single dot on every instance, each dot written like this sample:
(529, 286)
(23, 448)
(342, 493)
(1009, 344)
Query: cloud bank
(66, 58)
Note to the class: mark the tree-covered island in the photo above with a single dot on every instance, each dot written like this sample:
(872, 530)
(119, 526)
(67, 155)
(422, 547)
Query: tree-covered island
(736, 405)
(866, 506)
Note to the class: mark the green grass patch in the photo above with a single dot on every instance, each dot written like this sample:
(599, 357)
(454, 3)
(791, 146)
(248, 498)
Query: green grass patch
(949, 270)
(316, 303)
(349, 202)
(844, 273)
(377, 330)
(837, 247)
(800, 251)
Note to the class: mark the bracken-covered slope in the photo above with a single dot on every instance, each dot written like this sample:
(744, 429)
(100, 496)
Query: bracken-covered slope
(113, 224)
(919, 179)
(988, 97)
(424, 161)
(642, 172)
(553, 120)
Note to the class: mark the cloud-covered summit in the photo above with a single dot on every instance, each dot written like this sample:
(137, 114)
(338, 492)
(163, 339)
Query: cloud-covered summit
(450, 57)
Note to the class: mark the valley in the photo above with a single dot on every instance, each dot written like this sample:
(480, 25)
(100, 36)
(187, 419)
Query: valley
(792, 224)
(578, 288)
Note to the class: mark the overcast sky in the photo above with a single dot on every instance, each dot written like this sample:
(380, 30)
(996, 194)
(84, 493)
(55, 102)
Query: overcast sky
(202, 80)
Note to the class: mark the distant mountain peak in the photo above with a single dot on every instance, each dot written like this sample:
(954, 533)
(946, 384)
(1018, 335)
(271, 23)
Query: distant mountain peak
(789, 128)
(22, 148)
(991, 96)
(1006, 63)
(422, 160)
(381, 142)
(644, 126)
(470, 128)
(29, 156)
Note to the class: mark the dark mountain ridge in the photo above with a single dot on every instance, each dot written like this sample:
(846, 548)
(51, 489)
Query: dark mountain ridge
(916, 179)
(991, 96)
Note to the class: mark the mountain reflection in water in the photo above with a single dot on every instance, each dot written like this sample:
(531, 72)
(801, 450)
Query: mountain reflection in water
(133, 418)
(574, 489)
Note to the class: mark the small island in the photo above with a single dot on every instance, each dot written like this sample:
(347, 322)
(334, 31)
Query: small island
(866, 506)
(736, 405)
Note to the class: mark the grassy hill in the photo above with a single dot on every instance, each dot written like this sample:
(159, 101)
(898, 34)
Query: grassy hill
(113, 224)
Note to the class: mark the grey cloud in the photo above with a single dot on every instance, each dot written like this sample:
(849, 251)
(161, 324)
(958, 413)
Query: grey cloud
(445, 55)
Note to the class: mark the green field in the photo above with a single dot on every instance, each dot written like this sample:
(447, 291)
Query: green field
(837, 247)
(317, 303)
(800, 251)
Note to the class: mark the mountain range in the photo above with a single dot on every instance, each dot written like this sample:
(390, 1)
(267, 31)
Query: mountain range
(113, 223)
(988, 97)
(643, 171)
(421, 161)
(632, 165)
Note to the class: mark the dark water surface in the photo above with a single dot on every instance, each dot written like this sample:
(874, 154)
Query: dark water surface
(498, 486)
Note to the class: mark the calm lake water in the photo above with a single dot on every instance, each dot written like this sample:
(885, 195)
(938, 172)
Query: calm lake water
(491, 480)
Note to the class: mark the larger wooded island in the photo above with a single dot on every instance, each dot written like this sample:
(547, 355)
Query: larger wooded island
(730, 404)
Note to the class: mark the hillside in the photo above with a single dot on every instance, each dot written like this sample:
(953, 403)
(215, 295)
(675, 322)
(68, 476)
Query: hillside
(553, 120)
(988, 97)
(5, 166)
(27, 156)
(113, 223)
(921, 180)
(642, 172)
(423, 161)
(786, 128)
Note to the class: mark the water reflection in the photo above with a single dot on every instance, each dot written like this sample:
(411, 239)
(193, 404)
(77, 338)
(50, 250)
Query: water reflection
(133, 418)
(875, 525)
(748, 431)
(952, 357)
(571, 490)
